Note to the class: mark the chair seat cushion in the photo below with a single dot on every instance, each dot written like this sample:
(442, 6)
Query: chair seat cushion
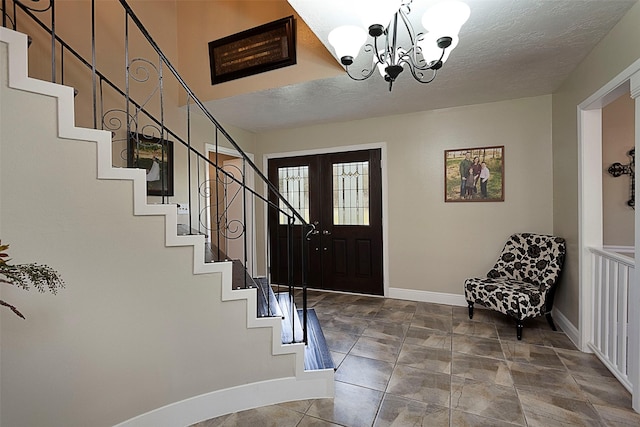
(515, 298)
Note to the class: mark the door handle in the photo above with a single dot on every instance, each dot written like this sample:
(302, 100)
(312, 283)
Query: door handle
(312, 231)
(326, 232)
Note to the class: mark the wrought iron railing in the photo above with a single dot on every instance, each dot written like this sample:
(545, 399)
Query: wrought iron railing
(218, 200)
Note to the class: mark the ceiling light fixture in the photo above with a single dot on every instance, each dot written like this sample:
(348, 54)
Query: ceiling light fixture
(425, 53)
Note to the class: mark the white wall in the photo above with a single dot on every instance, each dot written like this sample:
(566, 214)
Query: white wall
(134, 329)
(433, 245)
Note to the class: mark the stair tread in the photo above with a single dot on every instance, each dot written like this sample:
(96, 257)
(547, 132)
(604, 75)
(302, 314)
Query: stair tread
(316, 355)
(267, 302)
(291, 330)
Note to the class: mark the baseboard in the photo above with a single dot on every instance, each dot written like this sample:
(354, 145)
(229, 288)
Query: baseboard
(428, 296)
(567, 327)
(235, 399)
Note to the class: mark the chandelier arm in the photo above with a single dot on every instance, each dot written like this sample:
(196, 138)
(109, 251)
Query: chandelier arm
(418, 76)
(365, 73)
(412, 52)
(376, 52)
(430, 67)
(410, 30)
(420, 64)
(394, 47)
(415, 68)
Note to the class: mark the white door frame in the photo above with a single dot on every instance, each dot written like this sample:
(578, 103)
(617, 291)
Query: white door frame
(251, 217)
(385, 208)
(590, 209)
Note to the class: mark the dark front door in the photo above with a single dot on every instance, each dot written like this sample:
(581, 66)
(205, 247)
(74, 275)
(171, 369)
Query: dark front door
(342, 194)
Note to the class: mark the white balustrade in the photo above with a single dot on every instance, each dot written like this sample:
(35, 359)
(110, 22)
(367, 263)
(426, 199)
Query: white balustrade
(613, 274)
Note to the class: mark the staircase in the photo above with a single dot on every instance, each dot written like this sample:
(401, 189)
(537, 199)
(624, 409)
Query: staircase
(160, 353)
(282, 305)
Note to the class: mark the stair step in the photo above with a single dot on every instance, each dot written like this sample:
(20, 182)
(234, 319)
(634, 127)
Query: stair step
(316, 354)
(267, 302)
(240, 278)
(211, 252)
(291, 329)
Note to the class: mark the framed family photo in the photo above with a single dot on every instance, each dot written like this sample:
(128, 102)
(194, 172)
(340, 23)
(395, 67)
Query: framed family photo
(154, 155)
(474, 174)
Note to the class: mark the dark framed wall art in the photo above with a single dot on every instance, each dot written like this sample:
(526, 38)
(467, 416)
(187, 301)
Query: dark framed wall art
(155, 155)
(264, 48)
(474, 174)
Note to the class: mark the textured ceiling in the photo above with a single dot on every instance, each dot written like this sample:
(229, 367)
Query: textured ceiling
(508, 49)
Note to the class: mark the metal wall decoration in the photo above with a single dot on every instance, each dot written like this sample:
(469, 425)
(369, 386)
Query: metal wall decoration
(618, 169)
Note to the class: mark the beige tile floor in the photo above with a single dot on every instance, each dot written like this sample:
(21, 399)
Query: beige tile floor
(404, 363)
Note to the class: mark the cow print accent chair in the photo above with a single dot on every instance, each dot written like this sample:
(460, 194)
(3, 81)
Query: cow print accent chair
(523, 281)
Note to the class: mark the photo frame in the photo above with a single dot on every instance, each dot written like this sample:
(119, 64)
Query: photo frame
(463, 166)
(263, 48)
(154, 155)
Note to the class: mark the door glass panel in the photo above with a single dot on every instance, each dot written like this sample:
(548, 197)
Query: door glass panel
(351, 193)
(293, 184)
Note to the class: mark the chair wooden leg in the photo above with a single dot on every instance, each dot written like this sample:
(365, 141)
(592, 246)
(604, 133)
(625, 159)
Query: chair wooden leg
(519, 327)
(550, 320)
(470, 310)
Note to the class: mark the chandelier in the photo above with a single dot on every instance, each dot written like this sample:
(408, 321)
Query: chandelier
(388, 26)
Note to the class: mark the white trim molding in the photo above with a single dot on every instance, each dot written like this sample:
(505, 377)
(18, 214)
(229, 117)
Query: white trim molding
(234, 399)
(428, 296)
(567, 327)
(620, 249)
(634, 290)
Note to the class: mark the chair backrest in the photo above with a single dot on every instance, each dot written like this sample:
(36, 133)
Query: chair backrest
(533, 258)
